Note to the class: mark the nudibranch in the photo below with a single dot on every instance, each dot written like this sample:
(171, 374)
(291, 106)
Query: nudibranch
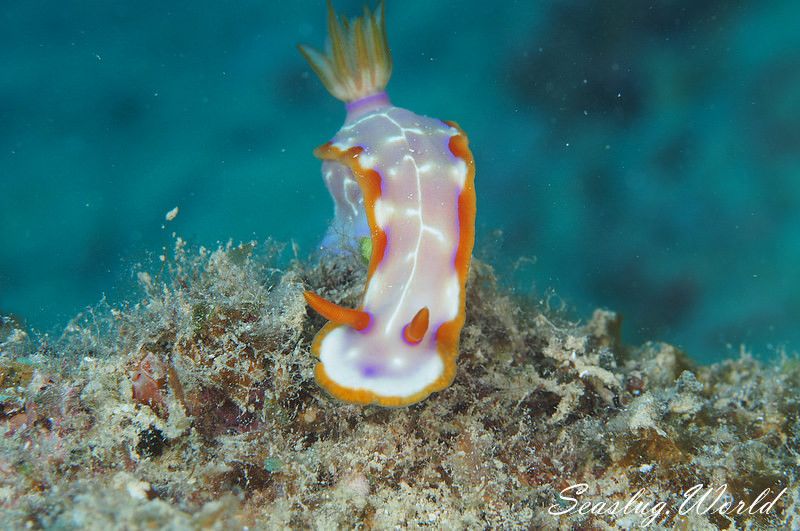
(406, 182)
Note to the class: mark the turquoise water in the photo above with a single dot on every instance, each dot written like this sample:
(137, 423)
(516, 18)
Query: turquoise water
(646, 156)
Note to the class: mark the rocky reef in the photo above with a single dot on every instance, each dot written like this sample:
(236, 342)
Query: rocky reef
(194, 407)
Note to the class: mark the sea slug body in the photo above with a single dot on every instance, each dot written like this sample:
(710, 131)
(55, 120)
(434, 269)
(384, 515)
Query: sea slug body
(406, 181)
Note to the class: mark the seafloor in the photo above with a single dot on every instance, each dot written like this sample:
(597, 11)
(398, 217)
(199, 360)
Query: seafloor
(195, 407)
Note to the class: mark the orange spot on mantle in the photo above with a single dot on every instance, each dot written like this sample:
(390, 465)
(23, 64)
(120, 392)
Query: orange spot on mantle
(415, 330)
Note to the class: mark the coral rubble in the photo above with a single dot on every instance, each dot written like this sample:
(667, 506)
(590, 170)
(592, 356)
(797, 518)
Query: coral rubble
(195, 408)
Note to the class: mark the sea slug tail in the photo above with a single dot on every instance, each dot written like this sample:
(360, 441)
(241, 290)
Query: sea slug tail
(357, 62)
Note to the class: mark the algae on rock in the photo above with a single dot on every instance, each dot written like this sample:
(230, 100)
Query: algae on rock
(195, 407)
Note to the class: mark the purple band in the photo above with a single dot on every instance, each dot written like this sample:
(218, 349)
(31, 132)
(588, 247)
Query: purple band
(380, 99)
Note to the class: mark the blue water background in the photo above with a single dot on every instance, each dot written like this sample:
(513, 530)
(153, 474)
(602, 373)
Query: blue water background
(645, 155)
